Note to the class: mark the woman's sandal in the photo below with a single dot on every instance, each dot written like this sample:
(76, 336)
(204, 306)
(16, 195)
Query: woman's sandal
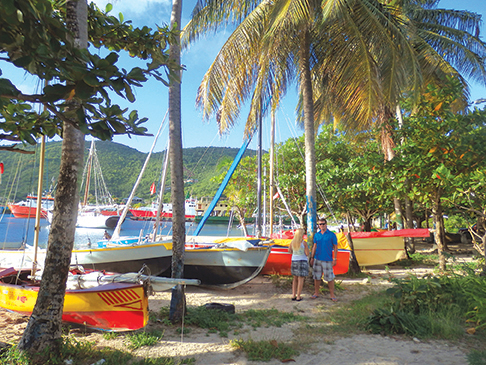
(294, 298)
(298, 300)
(334, 299)
(314, 296)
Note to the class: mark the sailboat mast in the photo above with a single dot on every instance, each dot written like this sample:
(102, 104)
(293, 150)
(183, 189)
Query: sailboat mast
(39, 202)
(272, 162)
(160, 199)
(258, 232)
(116, 232)
(88, 175)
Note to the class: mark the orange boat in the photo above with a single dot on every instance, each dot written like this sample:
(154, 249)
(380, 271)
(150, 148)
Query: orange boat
(28, 208)
(109, 307)
(280, 259)
(370, 248)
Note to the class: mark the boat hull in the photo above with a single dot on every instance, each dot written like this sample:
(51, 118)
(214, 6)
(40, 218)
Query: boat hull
(97, 221)
(378, 250)
(223, 267)
(110, 307)
(280, 260)
(21, 211)
(155, 258)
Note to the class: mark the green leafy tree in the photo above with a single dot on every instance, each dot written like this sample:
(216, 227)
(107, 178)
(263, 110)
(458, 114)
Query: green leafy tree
(241, 190)
(50, 42)
(440, 149)
(470, 198)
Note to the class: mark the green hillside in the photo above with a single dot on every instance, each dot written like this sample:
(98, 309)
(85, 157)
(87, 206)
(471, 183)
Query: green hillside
(120, 165)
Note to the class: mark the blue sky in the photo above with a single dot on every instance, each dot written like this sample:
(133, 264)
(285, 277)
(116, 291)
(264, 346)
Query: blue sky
(152, 99)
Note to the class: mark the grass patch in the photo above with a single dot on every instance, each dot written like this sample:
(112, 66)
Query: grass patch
(281, 281)
(110, 335)
(476, 357)
(418, 259)
(140, 339)
(217, 321)
(82, 353)
(433, 307)
(265, 350)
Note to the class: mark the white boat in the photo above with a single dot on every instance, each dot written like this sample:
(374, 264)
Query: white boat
(104, 213)
(223, 262)
(119, 257)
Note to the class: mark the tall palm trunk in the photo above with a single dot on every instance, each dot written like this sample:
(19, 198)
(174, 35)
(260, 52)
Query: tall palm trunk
(177, 304)
(44, 327)
(309, 131)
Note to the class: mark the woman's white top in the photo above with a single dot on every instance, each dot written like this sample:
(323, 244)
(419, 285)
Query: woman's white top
(299, 255)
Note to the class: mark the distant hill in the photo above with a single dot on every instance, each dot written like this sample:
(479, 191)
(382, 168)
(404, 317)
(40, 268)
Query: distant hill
(120, 165)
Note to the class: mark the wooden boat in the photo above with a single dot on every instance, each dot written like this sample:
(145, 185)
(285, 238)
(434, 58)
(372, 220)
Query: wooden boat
(28, 208)
(223, 262)
(110, 307)
(110, 302)
(120, 257)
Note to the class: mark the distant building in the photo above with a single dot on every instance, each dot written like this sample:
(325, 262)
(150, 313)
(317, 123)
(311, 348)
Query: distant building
(220, 210)
(135, 200)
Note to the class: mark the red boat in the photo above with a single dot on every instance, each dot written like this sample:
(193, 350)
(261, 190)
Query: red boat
(28, 208)
(280, 259)
(151, 212)
(370, 248)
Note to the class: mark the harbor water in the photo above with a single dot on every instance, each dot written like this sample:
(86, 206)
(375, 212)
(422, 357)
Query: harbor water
(14, 231)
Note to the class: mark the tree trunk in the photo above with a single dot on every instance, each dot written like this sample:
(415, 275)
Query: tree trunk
(409, 241)
(353, 261)
(439, 228)
(178, 300)
(241, 218)
(309, 131)
(44, 327)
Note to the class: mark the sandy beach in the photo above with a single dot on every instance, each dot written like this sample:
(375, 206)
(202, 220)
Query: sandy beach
(261, 293)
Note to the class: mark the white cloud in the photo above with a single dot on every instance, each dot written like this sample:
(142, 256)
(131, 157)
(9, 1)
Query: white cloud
(131, 6)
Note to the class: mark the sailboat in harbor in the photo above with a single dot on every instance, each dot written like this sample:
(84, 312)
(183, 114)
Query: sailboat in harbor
(94, 299)
(104, 213)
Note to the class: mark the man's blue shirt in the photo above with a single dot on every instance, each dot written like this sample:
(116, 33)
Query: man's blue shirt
(324, 245)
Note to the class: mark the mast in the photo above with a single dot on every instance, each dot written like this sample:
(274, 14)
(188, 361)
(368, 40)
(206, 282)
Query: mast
(39, 202)
(160, 199)
(223, 185)
(88, 175)
(258, 232)
(116, 232)
(272, 162)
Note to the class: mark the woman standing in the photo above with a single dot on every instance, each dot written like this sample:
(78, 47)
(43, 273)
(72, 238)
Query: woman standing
(300, 268)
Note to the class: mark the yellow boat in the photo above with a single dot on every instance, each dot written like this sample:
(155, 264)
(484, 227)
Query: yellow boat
(110, 307)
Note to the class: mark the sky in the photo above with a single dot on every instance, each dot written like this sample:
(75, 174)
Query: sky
(152, 98)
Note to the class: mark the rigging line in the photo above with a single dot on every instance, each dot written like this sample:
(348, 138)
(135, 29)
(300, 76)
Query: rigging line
(204, 153)
(319, 187)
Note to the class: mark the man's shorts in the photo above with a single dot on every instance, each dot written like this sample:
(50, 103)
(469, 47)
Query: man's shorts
(321, 268)
(299, 268)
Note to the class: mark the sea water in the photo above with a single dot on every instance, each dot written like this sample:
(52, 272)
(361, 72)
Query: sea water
(15, 231)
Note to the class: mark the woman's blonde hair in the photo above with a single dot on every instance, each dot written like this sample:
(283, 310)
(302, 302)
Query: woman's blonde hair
(296, 241)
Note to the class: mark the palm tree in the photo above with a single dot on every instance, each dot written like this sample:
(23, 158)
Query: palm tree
(44, 326)
(353, 59)
(278, 42)
(177, 173)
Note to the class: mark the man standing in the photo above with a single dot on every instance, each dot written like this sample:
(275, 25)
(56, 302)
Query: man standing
(321, 258)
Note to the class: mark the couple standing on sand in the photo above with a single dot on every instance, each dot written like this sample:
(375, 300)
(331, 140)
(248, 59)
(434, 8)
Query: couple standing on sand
(321, 260)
